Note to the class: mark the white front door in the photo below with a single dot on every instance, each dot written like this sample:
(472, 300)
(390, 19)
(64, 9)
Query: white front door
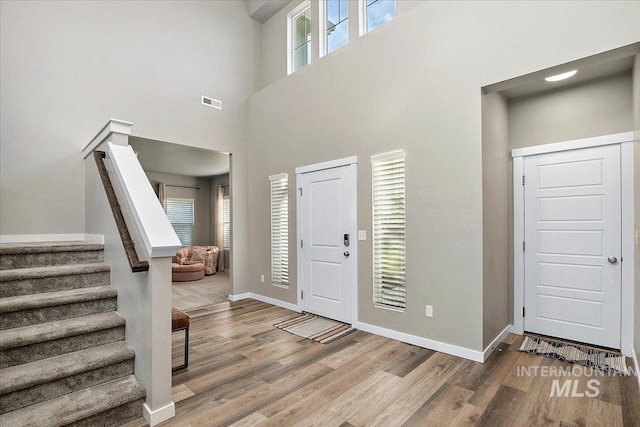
(327, 215)
(573, 245)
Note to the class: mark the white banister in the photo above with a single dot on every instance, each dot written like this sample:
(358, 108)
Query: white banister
(158, 235)
(115, 131)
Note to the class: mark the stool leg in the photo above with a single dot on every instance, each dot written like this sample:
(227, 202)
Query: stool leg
(186, 347)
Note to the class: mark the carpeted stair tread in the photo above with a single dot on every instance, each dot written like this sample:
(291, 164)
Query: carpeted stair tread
(49, 331)
(49, 299)
(78, 405)
(41, 371)
(49, 271)
(44, 247)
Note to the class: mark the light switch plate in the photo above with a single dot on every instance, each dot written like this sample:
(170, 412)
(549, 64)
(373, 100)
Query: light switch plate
(362, 234)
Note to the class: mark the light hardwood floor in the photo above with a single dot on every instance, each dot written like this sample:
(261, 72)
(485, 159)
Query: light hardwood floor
(199, 293)
(244, 372)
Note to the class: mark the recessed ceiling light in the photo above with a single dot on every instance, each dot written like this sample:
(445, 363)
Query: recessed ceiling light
(562, 76)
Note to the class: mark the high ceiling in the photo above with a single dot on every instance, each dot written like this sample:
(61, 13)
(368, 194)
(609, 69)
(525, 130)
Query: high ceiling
(164, 157)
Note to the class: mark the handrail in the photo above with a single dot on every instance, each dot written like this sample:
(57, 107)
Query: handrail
(127, 242)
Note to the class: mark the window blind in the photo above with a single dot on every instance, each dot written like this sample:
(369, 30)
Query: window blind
(389, 275)
(181, 217)
(279, 229)
(226, 223)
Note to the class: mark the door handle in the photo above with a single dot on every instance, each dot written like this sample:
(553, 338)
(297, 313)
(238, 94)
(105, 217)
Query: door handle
(346, 253)
(612, 259)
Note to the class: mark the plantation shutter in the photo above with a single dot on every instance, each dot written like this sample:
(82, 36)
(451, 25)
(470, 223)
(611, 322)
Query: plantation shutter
(226, 223)
(279, 229)
(180, 214)
(389, 275)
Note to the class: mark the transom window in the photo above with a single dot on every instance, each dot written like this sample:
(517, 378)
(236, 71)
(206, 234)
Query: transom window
(378, 12)
(337, 24)
(300, 38)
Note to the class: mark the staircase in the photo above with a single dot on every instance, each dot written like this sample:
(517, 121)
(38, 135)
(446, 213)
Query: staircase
(63, 359)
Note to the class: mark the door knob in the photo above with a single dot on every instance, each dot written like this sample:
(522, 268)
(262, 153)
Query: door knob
(346, 253)
(612, 259)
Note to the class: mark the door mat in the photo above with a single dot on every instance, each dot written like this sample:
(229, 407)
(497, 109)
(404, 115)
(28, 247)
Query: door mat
(315, 328)
(587, 356)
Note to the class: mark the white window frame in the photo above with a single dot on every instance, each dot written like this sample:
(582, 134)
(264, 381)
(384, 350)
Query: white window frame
(193, 221)
(362, 13)
(282, 262)
(377, 279)
(291, 17)
(323, 39)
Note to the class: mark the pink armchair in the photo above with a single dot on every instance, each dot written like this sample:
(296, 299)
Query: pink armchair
(208, 255)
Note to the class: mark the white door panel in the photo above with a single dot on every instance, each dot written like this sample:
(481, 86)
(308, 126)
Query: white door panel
(572, 226)
(327, 207)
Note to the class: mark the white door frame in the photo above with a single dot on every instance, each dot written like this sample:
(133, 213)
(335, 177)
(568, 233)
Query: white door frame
(625, 140)
(352, 163)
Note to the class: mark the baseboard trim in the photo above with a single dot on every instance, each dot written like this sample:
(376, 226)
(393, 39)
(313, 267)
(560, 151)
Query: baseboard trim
(636, 366)
(454, 350)
(33, 238)
(497, 340)
(159, 415)
(268, 300)
(238, 297)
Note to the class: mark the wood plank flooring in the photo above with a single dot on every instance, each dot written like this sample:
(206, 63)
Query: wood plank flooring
(199, 293)
(244, 372)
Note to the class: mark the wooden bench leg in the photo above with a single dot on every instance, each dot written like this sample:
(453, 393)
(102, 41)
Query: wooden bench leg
(186, 349)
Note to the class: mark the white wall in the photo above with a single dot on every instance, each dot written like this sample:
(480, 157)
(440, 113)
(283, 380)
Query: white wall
(600, 107)
(69, 66)
(414, 84)
(496, 294)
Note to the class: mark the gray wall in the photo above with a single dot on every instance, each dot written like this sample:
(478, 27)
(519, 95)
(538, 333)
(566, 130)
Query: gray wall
(495, 216)
(636, 152)
(601, 107)
(202, 200)
(403, 87)
(69, 66)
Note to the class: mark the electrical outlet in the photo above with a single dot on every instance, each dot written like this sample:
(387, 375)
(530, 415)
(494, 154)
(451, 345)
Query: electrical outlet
(362, 234)
(262, 278)
(429, 311)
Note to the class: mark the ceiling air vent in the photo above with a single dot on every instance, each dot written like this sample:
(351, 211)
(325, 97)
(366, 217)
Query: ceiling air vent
(210, 102)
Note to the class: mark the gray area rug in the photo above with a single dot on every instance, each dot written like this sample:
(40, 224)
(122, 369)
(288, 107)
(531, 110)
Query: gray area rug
(315, 328)
(586, 356)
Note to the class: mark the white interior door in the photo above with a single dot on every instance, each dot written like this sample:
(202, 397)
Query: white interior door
(328, 226)
(573, 245)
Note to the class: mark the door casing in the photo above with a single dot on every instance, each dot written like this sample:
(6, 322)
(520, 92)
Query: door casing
(352, 164)
(626, 142)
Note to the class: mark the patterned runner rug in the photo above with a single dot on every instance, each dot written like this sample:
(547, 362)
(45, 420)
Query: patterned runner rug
(587, 356)
(315, 328)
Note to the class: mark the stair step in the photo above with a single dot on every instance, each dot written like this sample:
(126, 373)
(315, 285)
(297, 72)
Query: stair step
(34, 382)
(25, 310)
(35, 342)
(25, 255)
(82, 405)
(25, 281)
